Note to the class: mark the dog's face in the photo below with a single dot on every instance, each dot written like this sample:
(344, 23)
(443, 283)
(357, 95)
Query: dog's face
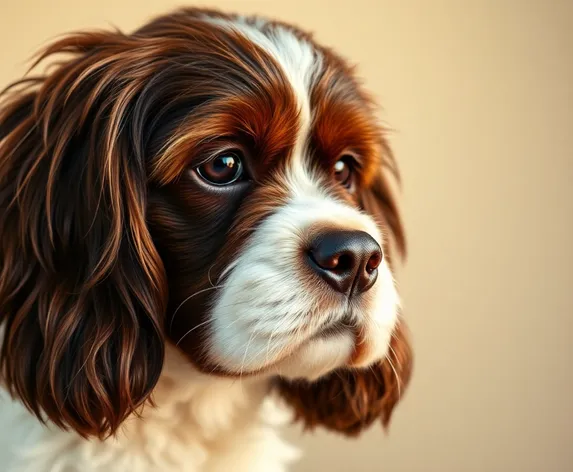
(211, 181)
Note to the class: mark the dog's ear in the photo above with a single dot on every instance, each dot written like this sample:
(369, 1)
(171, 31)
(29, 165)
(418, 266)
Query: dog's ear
(348, 401)
(82, 288)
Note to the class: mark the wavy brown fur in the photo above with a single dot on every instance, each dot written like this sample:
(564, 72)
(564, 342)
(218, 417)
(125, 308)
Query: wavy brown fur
(83, 287)
(350, 401)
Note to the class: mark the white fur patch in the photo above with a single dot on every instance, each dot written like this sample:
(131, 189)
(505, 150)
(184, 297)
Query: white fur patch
(202, 423)
(264, 316)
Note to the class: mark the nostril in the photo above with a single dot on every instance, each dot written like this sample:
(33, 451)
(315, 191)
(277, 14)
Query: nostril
(332, 261)
(373, 262)
(345, 262)
(337, 263)
(322, 261)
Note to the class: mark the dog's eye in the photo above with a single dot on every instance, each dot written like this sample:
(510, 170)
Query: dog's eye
(224, 169)
(344, 171)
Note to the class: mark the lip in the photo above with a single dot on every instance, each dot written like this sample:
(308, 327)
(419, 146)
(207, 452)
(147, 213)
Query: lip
(327, 330)
(341, 326)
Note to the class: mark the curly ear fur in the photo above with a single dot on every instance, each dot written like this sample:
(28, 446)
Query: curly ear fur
(348, 401)
(82, 289)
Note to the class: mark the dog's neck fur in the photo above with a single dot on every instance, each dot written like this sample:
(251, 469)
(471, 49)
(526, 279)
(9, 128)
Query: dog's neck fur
(200, 423)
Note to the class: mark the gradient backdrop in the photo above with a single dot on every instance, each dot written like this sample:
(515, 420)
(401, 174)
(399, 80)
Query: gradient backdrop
(480, 97)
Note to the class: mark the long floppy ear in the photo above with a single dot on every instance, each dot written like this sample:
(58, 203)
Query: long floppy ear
(82, 288)
(348, 401)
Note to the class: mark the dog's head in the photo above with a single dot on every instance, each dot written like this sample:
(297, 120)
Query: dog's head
(215, 182)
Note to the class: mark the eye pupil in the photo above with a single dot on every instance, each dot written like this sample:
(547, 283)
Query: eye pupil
(224, 169)
(343, 173)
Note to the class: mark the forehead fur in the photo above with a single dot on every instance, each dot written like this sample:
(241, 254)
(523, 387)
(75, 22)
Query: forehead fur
(264, 84)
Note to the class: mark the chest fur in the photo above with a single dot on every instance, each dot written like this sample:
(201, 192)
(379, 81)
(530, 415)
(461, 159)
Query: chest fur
(200, 424)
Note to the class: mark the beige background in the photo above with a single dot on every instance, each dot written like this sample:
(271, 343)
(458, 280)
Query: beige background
(480, 94)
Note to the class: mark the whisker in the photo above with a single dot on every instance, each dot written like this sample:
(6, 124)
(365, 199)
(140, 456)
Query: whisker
(395, 356)
(187, 299)
(360, 334)
(344, 382)
(192, 329)
(209, 275)
(245, 357)
(398, 383)
(228, 269)
(269, 343)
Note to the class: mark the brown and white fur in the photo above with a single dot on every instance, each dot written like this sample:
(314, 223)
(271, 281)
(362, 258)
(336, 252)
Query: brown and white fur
(151, 320)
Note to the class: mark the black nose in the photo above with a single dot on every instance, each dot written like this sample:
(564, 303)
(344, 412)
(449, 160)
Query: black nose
(346, 260)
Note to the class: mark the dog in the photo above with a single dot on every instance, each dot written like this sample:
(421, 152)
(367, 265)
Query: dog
(197, 227)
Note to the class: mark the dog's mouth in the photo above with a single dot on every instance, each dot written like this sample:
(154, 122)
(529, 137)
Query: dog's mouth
(334, 328)
(331, 345)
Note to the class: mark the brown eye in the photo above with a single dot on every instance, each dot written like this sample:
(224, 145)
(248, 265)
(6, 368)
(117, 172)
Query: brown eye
(224, 169)
(344, 172)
